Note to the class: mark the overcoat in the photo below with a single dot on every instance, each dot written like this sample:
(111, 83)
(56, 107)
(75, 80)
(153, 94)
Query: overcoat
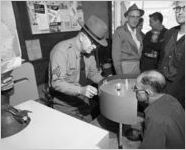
(124, 49)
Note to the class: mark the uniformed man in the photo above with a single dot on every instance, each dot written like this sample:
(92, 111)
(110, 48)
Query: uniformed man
(71, 63)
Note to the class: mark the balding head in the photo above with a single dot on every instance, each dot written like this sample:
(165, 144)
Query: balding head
(152, 79)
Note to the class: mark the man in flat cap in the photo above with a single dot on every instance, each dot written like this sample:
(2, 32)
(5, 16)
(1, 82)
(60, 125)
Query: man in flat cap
(127, 43)
(71, 63)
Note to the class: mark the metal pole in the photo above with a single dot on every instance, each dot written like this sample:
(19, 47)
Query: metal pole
(120, 146)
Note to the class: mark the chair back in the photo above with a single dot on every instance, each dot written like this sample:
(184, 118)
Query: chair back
(25, 86)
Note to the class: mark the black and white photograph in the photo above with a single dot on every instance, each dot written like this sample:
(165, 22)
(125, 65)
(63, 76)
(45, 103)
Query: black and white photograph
(92, 74)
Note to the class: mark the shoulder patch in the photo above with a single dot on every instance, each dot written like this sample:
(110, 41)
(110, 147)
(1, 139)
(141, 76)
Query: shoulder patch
(56, 72)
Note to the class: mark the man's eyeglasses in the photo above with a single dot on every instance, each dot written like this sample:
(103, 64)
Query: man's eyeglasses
(179, 8)
(134, 17)
(95, 45)
(136, 89)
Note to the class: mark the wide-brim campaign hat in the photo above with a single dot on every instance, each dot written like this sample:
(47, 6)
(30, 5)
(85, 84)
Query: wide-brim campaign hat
(96, 28)
(134, 7)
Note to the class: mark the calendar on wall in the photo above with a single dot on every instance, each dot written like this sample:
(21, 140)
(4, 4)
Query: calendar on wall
(54, 16)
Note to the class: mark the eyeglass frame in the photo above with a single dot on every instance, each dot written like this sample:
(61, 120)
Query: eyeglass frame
(177, 9)
(134, 17)
(90, 39)
(94, 43)
(135, 89)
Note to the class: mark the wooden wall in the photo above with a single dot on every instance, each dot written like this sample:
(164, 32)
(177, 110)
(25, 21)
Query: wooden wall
(100, 8)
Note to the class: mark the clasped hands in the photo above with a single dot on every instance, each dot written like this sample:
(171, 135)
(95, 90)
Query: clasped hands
(89, 91)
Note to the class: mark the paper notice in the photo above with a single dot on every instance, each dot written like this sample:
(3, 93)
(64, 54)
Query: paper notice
(33, 49)
(42, 20)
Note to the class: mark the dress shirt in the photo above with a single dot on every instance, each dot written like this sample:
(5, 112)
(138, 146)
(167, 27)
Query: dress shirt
(133, 33)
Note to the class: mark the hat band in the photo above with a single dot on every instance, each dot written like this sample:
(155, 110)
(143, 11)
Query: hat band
(93, 33)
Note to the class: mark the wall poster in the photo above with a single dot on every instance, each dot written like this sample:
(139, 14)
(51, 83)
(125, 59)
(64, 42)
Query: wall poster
(54, 16)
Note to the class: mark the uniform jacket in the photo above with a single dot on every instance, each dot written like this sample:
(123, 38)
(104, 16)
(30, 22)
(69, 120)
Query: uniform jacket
(124, 48)
(172, 64)
(64, 68)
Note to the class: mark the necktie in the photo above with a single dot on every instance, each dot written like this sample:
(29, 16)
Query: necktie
(82, 77)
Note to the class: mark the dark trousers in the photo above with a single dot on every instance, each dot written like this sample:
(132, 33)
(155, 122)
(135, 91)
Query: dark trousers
(78, 107)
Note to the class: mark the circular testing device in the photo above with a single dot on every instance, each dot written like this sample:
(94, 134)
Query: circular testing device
(118, 100)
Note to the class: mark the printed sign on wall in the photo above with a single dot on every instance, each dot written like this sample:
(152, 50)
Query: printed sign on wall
(54, 16)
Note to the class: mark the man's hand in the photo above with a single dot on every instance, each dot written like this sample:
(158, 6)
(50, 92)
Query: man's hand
(89, 91)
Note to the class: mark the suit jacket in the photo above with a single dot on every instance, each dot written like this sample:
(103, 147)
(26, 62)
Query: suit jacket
(124, 48)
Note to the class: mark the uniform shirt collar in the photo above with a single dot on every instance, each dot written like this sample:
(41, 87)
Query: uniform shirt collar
(77, 49)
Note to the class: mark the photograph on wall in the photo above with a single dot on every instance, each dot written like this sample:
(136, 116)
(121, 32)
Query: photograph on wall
(54, 16)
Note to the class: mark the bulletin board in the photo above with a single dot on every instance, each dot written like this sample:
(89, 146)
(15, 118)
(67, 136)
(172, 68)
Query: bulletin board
(54, 16)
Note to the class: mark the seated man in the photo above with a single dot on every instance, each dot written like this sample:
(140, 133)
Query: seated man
(71, 63)
(164, 117)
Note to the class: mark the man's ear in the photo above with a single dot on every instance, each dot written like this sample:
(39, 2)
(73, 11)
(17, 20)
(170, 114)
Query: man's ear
(127, 18)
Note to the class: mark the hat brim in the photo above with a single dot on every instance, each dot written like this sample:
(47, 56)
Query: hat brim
(102, 42)
(140, 10)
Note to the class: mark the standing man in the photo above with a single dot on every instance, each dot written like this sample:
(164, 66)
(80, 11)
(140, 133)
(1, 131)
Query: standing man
(71, 63)
(152, 43)
(164, 117)
(172, 63)
(127, 43)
